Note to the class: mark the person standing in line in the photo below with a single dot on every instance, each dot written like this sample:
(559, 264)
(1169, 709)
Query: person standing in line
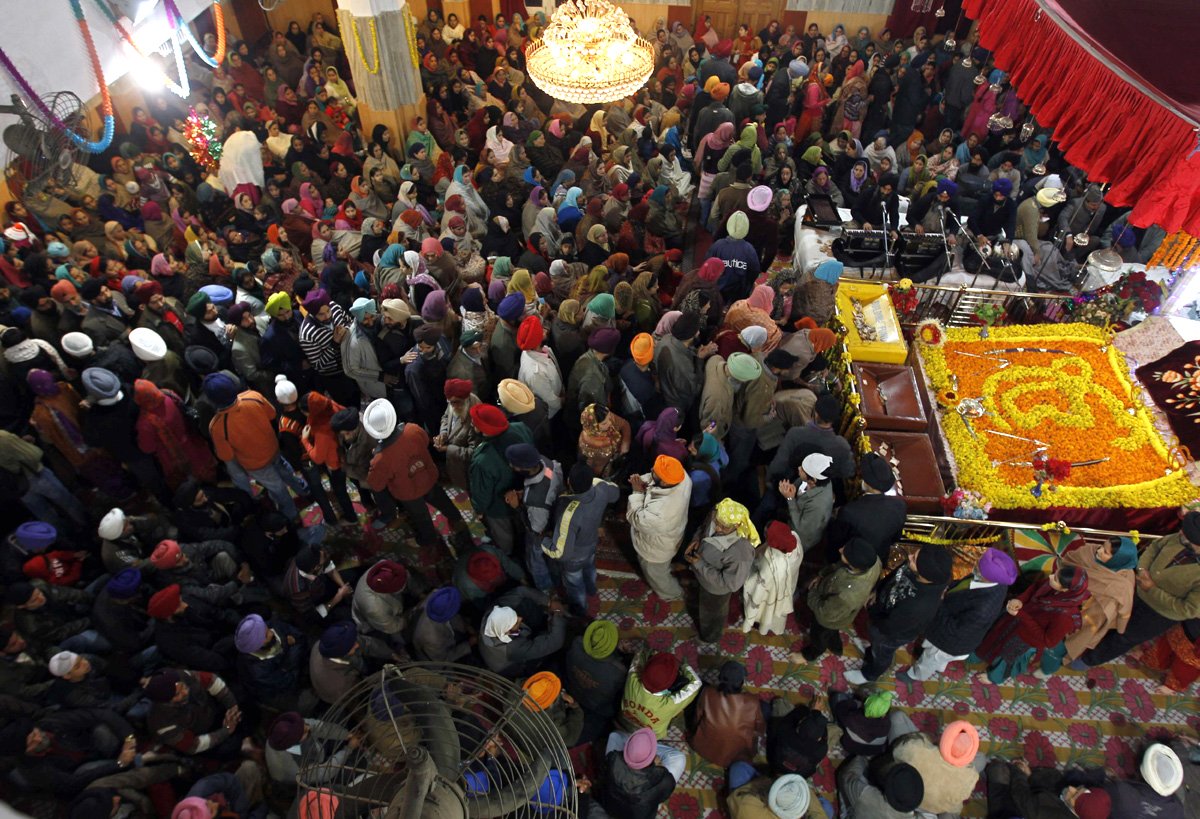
(657, 515)
(721, 558)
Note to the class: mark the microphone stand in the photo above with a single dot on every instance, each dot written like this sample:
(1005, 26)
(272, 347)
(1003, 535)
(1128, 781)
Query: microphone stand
(886, 230)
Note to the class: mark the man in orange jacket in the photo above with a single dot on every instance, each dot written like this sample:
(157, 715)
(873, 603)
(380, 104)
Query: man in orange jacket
(243, 436)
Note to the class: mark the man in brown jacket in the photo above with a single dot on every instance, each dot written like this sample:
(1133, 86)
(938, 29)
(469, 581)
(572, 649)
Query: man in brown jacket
(404, 468)
(243, 436)
(728, 722)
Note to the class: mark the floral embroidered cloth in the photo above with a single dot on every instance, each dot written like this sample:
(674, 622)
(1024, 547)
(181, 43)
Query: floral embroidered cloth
(1173, 383)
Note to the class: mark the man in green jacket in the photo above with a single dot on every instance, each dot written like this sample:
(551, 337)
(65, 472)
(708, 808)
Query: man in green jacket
(659, 687)
(835, 597)
(491, 476)
(1168, 592)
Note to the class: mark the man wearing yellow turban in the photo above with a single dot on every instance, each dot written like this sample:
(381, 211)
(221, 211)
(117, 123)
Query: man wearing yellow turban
(721, 558)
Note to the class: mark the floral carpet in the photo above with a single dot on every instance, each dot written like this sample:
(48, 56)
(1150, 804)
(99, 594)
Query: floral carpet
(1100, 718)
(1095, 719)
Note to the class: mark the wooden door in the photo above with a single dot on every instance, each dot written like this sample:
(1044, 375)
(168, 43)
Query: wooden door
(758, 13)
(724, 15)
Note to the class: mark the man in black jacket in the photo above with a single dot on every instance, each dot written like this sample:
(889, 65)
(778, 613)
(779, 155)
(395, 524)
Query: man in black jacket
(869, 209)
(874, 516)
(904, 605)
(65, 751)
(967, 612)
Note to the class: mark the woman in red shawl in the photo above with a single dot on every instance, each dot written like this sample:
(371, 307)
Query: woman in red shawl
(163, 432)
(320, 445)
(1041, 618)
(287, 106)
(815, 100)
(441, 125)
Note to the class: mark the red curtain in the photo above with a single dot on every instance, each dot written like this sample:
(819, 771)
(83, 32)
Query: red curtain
(1104, 124)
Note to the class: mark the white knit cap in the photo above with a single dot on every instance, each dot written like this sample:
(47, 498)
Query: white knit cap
(147, 344)
(1162, 769)
(379, 419)
(78, 344)
(112, 525)
(285, 391)
(62, 663)
(814, 465)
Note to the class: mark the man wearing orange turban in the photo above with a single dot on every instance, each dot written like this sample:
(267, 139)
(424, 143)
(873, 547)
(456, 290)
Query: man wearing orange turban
(658, 509)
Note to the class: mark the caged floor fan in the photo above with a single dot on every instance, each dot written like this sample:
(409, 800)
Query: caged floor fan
(39, 153)
(438, 741)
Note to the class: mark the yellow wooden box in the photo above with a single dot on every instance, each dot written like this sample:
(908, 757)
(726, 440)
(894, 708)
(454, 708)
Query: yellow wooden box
(889, 346)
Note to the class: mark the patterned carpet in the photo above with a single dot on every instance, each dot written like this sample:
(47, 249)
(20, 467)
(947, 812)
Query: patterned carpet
(1093, 719)
(1100, 718)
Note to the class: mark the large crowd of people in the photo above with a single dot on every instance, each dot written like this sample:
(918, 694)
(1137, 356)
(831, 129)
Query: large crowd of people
(512, 315)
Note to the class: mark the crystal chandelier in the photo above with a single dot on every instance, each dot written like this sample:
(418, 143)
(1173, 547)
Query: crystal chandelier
(589, 53)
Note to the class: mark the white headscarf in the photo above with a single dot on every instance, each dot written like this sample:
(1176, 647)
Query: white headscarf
(500, 622)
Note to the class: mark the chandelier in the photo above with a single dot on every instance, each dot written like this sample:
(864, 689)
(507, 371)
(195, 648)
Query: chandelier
(589, 53)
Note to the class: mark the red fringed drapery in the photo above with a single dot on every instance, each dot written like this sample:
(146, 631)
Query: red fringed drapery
(1103, 123)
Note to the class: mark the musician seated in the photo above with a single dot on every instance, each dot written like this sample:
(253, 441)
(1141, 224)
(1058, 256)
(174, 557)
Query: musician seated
(996, 214)
(868, 210)
(987, 267)
(821, 184)
(935, 212)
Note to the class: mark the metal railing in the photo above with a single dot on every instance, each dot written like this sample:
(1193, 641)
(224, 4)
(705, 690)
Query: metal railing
(950, 528)
(955, 305)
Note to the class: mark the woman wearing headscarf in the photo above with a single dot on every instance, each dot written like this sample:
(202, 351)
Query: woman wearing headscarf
(546, 158)
(569, 212)
(1039, 619)
(663, 220)
(566, 335)
(748, 141)
(601, 138)
(1035, 153)
(1111, 567)
(604, 440)
(659, 436)
(377, 157)
(596, 248)
(721, 556)
(813, 98)
(878, 149)
(711, 152)
(314, 115)
(339, 91)
(755, 310)
(477, 211)
(499, 145)
(163, 433)
(546, 224)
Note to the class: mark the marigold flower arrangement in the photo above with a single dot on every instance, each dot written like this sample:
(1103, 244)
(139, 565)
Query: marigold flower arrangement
(1061, 389)
(948, 399)
(930, 332)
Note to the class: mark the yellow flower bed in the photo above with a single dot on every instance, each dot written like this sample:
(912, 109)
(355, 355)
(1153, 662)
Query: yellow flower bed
(1082, 404)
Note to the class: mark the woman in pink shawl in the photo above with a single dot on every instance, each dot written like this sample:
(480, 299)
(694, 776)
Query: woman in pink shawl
(310, 200)
(756, 311)
(163, 433)
(981, 110)
(712, 148)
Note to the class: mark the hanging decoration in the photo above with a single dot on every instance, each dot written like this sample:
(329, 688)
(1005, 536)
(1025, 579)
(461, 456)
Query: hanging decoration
(180, 24)
(183, 87)
(106, 108)
(203, 144)
(589, 53)
(410, 28)
(362, 55)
